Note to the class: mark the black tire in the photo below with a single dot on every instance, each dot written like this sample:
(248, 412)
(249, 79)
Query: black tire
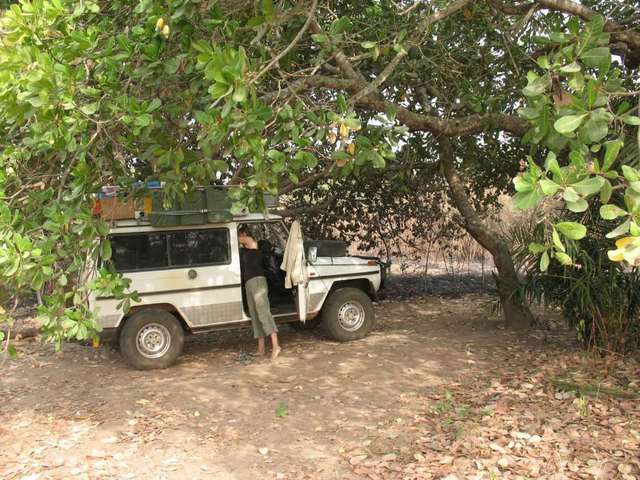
(308, 325)
(336, 307)
(162, 329)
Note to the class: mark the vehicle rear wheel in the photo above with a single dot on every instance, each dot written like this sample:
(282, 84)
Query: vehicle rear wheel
(348, 314)
(151, 338)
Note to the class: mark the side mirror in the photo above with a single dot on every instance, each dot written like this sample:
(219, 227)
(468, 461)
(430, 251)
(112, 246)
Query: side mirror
(312, 254)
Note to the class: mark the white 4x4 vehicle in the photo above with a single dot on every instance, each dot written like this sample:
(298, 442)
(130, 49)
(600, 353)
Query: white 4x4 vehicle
(188, 279)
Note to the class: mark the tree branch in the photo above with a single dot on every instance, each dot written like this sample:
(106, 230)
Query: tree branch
(618, 33)
(457, 126)
(630, 37)
(294, 212)
(290, 186)
(415, 40)
(293, 43)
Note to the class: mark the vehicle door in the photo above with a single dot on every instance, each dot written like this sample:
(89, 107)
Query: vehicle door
(209, 263)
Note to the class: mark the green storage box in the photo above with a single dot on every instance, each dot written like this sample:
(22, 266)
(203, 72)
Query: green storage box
(218, 204)
(189, 211)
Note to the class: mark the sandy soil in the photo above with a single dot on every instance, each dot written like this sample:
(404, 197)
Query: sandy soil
(374, 408)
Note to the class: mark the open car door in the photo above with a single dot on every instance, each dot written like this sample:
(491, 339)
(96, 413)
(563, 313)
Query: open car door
(294, 264)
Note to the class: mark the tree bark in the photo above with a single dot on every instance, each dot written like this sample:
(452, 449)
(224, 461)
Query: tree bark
(516, 314)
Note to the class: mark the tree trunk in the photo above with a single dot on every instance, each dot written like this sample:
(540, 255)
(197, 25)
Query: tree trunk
(516, 314)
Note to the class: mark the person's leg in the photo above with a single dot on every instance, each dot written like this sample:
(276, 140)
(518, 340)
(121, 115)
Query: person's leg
(261, 298)
(261, 350)
(258, 331)
(275, 346)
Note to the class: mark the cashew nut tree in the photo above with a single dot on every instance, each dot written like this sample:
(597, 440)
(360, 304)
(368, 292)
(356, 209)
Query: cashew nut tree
(273, 96)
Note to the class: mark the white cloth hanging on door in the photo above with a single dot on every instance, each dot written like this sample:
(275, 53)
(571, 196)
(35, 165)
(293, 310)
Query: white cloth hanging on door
(293, 261)
(295, 265)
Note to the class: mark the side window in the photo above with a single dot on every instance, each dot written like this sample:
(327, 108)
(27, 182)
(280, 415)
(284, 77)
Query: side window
(199, 247)
(139, 252)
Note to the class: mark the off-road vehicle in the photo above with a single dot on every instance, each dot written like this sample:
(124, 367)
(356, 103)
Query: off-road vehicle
(189, 281)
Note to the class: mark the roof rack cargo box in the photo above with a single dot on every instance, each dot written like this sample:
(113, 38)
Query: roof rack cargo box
(210, 204)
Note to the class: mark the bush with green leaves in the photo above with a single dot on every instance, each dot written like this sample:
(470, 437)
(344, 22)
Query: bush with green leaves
(583, 109)
(582, 105)
(599, 298)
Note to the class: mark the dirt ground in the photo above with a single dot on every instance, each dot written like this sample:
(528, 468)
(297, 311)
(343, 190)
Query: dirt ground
(438, 390)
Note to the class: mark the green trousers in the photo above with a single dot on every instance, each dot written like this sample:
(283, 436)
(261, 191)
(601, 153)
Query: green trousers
(259, 308)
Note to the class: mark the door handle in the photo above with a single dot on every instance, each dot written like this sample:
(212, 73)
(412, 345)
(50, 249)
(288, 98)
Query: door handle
(192, 274)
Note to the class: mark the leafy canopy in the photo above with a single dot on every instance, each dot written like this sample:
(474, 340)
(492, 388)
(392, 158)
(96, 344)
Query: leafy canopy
(581, 108)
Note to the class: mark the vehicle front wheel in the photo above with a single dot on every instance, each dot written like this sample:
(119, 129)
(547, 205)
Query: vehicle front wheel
(151, 338)
(348, 314)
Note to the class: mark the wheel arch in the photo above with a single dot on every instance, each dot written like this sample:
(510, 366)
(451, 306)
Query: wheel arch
(156, 306)
(360, 283)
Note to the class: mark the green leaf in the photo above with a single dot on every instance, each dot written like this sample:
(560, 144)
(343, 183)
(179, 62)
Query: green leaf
(275, 155)
(341, 103)
(522, 184)
(599, 57)
(571, 68)
(543, 62)
(340, 26)
(37, 281)
(368, 45)
(588, 186)
(549, 187)
(631, 120)
(577, 159)
(105, 250)
(144, 120)
(605, 193)
(171, 66)
(630, 173)
(595, 130)
(578, 206)
(529, 113)
(568, 123)
(619, 230)
(281, 411)
(551, 164)
(572, 230)
(90, 108)
(556, 240)
(319, 38)
(239, 94)
(267, 8)
(219, 90)
(612, 149)
(544, 262)
(526, 200)
(609, 212)
(11, 350)
(536, 247)
(154, 105)
(563, 258)
(570, 195)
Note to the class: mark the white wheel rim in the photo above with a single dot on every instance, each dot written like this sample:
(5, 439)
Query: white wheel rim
(351, 316)
(153, 340)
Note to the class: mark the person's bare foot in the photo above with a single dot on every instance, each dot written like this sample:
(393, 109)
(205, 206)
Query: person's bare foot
(275, 352)
(259, 353)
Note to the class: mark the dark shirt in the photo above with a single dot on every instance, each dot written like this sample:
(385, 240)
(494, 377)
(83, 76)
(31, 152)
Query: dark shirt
(250, 264)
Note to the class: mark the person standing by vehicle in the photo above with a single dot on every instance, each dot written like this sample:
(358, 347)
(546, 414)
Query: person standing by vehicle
(257, 291)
